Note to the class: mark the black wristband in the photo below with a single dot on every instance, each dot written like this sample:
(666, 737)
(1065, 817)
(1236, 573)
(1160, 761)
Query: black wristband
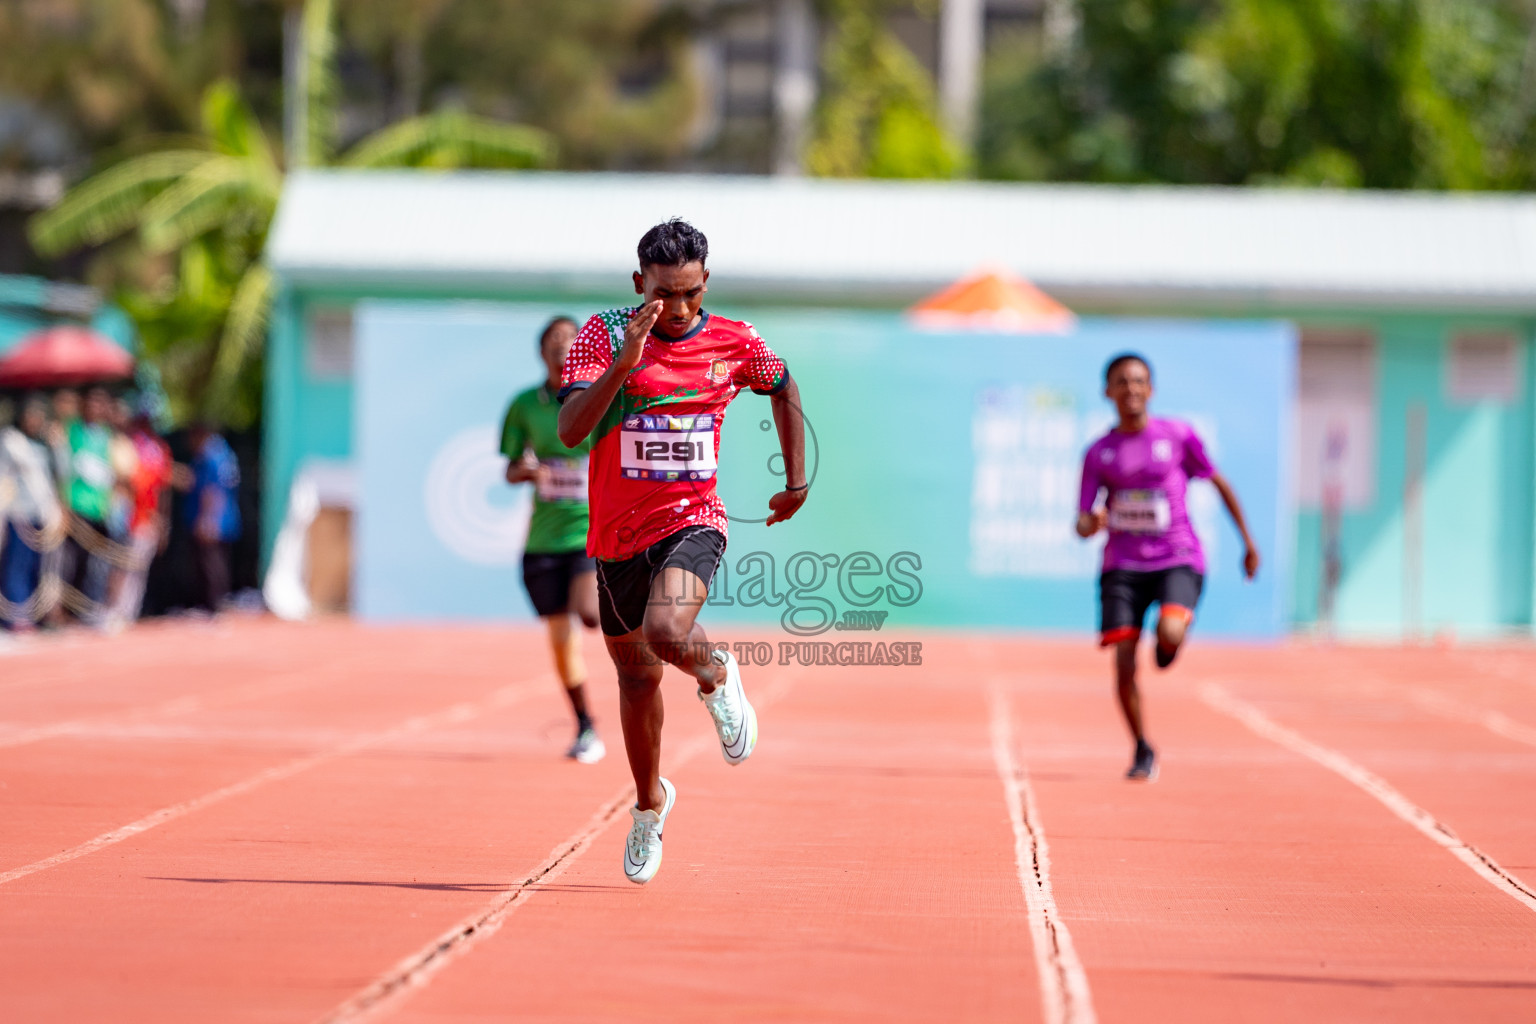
(800, 488)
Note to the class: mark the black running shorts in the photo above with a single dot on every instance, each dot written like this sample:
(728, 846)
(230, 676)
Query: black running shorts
(1125, 596)
(548, 576)
(624, 585)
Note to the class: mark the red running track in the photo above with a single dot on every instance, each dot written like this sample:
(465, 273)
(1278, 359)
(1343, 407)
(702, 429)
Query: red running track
(247, 821)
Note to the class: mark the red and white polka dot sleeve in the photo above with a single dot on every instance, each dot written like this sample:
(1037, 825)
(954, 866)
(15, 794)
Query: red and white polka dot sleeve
(591, 354)
(762, 370)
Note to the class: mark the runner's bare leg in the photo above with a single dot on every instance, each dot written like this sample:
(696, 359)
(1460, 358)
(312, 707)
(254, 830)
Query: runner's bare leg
(1171, 628)
(565, 644)
(640, 714)
(584, 598)
(671, 630)
(669, 635)
(1125, 686)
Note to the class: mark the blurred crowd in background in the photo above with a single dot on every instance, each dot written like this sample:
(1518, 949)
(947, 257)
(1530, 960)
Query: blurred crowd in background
(92, 499)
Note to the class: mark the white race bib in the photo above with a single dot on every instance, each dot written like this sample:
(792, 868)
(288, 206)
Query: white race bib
(566, 480)
(1137, 511)
(667, 447)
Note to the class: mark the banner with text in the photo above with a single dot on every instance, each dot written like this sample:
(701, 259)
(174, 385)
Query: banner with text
(944, 469)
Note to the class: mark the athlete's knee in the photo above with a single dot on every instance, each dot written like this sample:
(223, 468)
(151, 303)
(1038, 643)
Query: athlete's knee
(584, 606)
(664, 632)
(639, 680)
(1173, 624)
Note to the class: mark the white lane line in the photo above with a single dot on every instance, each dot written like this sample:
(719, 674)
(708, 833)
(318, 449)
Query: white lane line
(453, 715)
(389, 991)
(1495, 722)
(1514, 671)
(1410, 812)
(116, 722)
(416, 970)
(1064, 994)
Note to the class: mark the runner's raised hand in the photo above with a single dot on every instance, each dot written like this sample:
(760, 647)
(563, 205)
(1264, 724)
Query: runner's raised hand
(635, 333)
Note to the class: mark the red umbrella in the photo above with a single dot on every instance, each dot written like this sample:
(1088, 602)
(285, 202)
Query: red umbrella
(59, 357)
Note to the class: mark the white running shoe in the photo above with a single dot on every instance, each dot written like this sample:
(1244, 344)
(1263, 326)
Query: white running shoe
(642, 850)
(588, 748)
(735, 720)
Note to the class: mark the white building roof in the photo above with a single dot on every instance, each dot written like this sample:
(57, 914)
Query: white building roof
(810, 239)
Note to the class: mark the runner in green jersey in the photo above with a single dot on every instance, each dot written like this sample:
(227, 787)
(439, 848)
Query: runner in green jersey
(560, 577)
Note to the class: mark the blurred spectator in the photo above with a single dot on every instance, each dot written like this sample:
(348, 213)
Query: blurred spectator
(124, 460)
(213, 511)
(88, 496)
(125, 463)
(30, 509)
(66, 410)
(147, 527)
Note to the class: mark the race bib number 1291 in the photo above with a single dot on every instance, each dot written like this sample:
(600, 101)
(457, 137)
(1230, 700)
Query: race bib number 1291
(667, 447)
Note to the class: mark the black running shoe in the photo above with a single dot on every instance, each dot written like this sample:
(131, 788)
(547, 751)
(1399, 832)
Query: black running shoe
(1165, 656)
(1144, 767)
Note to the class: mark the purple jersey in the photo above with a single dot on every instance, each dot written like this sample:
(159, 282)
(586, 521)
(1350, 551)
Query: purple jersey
(1146, 475)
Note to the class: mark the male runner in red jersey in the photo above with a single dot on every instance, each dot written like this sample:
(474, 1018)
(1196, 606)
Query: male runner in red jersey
(653, 382)
(1153, 554)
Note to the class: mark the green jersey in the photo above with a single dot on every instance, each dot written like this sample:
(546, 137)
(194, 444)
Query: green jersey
(90, 470)
(559, 503)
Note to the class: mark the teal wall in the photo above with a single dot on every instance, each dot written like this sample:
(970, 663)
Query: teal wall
(1479, 509)
(311, 417)
(1476, 576)
(306, 416)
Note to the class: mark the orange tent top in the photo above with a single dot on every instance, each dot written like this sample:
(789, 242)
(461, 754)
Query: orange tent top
(993, 300)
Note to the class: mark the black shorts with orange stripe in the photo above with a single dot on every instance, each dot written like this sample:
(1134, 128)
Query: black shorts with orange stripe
(1125, 595)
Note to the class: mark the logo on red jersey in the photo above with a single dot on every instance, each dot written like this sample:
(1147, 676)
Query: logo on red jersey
(718, 372)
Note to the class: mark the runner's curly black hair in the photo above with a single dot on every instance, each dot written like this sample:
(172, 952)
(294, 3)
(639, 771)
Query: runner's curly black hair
(1127, 357)
(673, 244)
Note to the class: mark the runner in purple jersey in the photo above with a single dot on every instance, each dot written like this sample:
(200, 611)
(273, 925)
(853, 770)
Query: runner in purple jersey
(1143, 466)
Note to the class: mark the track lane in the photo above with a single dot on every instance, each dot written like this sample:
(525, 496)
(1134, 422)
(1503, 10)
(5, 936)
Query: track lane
(1457, 742)
(1248, 883)
(276, 905)
(67, 789)
(1420, 819)
(388, 992)
(859, 867)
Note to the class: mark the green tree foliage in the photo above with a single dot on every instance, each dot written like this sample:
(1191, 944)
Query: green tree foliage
(175, 105)
(111, 70)
(1375, 93)
(610, 80)
(200, 212)
(877, 117)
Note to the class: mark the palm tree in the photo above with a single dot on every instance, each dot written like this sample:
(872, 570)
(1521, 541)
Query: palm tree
(209, 203)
